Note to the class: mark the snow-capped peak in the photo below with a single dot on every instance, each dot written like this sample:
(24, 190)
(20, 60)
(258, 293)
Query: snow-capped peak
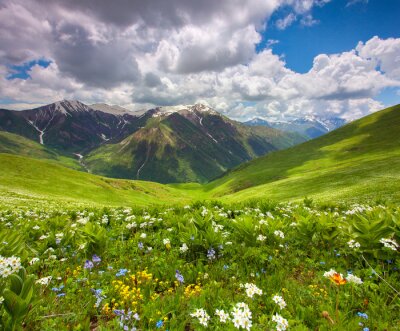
(168, 110)
(115, 110)
(68, 106)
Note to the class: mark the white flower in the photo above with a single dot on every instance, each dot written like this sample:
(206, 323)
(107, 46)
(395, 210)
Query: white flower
(353, 279)
(202, 316)
(83, 221)
(330, 273)
(279, 233)
(241, 316)
(1, 300)
(166, 241)
(143, 235)
(131, 225)
(9, 265)
(281, 323)
(353, 244)
(261, 237)
(223, 317)
(33, 261)
(279, 301)
(36, 227)
(183, 248)
(44, 280)
(251, 289)
(390, 243)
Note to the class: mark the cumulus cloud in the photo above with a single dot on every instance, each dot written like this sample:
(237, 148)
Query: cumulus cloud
(141, 54)
(385, 53)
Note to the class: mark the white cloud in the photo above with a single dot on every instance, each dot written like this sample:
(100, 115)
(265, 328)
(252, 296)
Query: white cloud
(285, 22)
(353, 2)
(308, 20)
(385, 53)
(194, 52)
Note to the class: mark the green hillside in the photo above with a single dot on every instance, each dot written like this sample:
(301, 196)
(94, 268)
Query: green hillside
(358, 161)
(361, 159)
(180, 148)
(14, 144)
(25, 180)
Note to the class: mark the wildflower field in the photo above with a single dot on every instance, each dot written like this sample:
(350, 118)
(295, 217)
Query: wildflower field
(205, 266)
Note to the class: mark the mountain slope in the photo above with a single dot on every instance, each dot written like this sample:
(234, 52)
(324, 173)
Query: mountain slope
(360, 159)
(185, 144)
(14, 144)
(25, 180)
(310, 127)
(69, 126)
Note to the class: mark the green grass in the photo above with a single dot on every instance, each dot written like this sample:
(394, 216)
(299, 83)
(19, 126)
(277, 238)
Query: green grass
(360, 161)
(11, 143)
(25, 180)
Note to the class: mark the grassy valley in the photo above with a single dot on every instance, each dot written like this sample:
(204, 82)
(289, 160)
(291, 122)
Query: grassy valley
(38, 182)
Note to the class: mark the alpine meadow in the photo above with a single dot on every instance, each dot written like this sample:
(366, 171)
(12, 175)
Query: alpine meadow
(182, 165)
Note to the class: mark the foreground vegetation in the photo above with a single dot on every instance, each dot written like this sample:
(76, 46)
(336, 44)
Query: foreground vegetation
(259, 266)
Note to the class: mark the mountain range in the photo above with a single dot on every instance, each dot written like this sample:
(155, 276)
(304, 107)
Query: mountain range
(191, 143)
(355, 163)
(309, 126)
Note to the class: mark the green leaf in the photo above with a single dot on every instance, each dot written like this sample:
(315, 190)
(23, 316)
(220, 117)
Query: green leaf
(16, 284)
(27, 289)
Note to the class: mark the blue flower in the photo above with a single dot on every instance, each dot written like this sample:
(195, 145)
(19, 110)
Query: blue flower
(119, 312)
(362, 315)
(179, 277)
(226, 267)
(61, 295)
(159, 324)
(140, 245)
(88, 264)
(121, 272)
(211, 254)
(366, 329)
(57, 289)
(96, 259)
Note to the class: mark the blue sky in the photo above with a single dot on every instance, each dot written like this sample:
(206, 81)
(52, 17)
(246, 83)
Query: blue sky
(340, 28)
(168, 52)
(21, 71)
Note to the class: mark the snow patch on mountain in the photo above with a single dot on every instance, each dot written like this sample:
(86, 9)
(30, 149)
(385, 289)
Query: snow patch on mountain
(114, 109)
(168, 110)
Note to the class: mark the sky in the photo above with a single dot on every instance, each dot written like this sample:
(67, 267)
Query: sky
(273, 59)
